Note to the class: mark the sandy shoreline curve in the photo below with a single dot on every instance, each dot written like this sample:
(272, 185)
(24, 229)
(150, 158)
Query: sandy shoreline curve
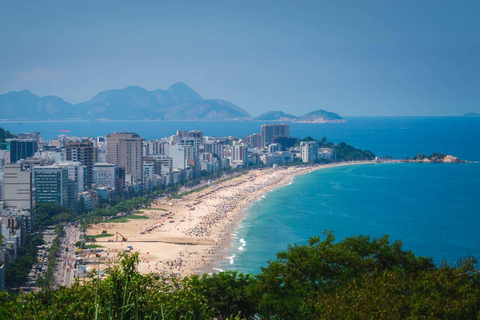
(193, 235)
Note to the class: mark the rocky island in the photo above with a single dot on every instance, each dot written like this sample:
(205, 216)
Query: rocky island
(436, 157)
(318, 116)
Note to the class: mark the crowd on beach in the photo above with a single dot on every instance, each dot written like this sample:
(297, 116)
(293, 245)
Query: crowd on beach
(219, 209)
(237, 201)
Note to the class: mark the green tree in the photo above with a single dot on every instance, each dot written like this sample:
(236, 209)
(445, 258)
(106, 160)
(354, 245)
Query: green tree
(292, 286)
(228, 293)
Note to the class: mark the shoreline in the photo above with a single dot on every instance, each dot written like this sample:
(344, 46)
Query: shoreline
(194, 234)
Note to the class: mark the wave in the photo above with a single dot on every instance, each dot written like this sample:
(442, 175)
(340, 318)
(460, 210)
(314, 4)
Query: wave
(231, 258)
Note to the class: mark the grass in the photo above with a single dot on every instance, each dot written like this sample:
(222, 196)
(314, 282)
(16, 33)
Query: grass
(92, 246)
(102, 235)
(126, 218)
(189, 192)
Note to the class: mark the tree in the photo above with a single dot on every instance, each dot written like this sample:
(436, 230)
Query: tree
(293, 286)
(229, 293)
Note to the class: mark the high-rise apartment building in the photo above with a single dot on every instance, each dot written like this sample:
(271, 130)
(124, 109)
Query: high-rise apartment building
(52, 185)
(215, 148)
(196, 134)
(309, 151)
(125, 150)
(239, 154)
(194, 151)
(271, 131)
(255, 140)
(21, 148)
(18, 190)
(83, 152)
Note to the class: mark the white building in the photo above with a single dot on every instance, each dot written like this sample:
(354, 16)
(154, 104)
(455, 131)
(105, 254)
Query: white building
(104, 174)
(274, 147)
(18, 188)
(309, 151)
(148, 170)
(239, 154)
(178, 154)
(325, 153)
(76, 172)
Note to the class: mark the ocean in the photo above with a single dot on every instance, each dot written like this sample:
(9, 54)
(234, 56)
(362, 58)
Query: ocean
(432, 208)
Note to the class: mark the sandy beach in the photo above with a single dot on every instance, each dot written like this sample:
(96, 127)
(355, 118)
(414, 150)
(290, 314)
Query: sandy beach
(191, 235)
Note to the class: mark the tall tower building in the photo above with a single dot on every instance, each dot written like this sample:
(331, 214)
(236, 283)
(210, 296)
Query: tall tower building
(21, 148)
(125, 150)
(83, 152)
(271, 131)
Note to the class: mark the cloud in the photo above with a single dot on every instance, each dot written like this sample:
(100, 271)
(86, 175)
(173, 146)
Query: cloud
(40, 74)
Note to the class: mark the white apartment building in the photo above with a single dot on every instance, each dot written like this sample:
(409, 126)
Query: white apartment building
(104, 174)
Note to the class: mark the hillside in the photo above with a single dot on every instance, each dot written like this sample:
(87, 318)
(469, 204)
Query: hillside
(179, 102)
(320, 116)
(276, 116)
(26, 105)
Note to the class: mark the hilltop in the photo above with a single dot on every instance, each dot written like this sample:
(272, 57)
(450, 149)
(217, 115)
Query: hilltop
(178, 102)
(318, 116)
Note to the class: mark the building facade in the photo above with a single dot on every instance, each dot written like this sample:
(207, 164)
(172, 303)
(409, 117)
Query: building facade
(51, 184)
(18, 189)
(125, 150)
(271, 131)
(104, 174)
(83, 152)
(239, 154)
(21, 148)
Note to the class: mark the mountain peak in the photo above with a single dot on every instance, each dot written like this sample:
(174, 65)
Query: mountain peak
(179, 85)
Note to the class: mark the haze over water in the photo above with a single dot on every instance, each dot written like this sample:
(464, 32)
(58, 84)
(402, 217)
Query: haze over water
(394, 136)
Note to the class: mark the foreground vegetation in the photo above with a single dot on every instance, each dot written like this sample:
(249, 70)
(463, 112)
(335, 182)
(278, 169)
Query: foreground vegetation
(357, 278)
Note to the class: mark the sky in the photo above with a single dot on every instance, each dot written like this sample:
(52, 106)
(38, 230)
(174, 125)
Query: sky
(355, 58)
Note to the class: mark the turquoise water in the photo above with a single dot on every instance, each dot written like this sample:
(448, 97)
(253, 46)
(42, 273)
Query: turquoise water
(432, 208)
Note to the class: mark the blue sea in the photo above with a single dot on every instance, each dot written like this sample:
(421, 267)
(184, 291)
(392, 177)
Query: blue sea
(433, 209)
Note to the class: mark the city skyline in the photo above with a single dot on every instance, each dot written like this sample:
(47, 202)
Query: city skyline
(354, 59)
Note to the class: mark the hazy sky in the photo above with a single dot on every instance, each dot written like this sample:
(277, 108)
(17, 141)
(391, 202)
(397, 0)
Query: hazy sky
(351, 57)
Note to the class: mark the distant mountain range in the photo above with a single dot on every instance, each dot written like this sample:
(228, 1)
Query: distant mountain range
(179, 102)
(472, 114)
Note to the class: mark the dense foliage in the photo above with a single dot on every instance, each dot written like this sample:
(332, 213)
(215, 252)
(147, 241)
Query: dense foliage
(357, 278)
(17, 272)
(4, 134)
(345, 152)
